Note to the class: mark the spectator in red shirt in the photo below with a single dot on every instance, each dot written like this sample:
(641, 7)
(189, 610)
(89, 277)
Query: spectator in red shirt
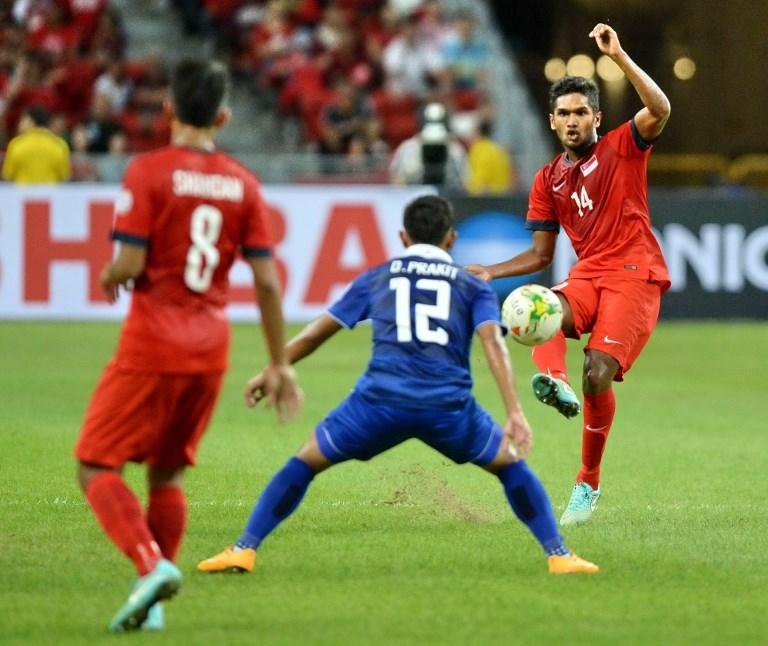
(85, 15)
(56, 35)
(27, 86)
(150, 88)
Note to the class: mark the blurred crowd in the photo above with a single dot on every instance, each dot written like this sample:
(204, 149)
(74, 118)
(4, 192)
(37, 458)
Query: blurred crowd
(65, 60)
(357, 75)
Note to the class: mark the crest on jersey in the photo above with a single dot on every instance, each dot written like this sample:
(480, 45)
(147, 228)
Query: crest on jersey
(588, 166)
(124, 202)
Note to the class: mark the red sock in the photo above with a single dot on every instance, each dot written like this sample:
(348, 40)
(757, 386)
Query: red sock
(167, 518)
(549, 357)
(598, 417)
(120, 515)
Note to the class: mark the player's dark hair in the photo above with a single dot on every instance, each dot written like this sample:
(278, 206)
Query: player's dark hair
(577, 85)
(198, 88)
(428, 218)
(39, 115)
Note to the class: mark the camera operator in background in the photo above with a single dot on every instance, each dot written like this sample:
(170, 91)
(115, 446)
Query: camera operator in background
(432, 156)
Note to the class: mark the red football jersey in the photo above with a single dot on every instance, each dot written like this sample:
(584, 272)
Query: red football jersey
(193, 210)
(601, 201)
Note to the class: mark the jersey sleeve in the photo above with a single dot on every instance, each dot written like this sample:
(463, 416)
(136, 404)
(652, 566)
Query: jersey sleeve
(354, 305)
(542, 215)
(257, 238)
(485, 308)
(133, 207)
(627, 142)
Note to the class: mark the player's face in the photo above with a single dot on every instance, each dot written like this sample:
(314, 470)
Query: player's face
(575, 123)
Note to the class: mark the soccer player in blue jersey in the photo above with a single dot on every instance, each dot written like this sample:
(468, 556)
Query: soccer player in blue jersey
(424, 310)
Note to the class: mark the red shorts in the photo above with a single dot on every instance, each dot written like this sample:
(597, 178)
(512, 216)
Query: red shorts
(156, 418)
(620, 314)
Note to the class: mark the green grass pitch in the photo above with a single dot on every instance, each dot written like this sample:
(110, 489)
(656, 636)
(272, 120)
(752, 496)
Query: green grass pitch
(408, 549)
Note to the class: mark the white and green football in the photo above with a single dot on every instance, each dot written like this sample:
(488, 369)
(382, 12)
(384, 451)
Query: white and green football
(532, 313)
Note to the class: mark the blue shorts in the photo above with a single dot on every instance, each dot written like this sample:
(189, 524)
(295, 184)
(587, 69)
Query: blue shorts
(360, 429)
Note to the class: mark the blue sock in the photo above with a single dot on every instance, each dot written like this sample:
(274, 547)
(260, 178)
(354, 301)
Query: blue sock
(531, 505)
(278, 501)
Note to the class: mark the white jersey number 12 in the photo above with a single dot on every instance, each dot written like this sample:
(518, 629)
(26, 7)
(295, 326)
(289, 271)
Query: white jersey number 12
(422, 312)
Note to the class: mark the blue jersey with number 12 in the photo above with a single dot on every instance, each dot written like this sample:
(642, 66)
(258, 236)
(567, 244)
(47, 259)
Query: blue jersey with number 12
(424, 311)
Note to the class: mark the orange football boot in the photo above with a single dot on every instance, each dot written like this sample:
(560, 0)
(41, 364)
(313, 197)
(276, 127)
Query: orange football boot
(570, 564)
(229, 560)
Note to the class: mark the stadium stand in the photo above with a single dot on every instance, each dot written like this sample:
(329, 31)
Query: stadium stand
(101, 68)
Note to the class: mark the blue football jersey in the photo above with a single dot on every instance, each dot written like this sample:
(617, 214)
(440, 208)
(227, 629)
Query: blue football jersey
(424, 310)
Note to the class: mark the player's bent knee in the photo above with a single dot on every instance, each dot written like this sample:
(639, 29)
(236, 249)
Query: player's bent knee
(312, 456)
(504, 457)
(596, 380)
(164, 476)
(599, 371)
(86, 472)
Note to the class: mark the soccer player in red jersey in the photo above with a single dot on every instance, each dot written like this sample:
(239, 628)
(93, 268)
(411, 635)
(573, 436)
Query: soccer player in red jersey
(184, 213)
(596, 190)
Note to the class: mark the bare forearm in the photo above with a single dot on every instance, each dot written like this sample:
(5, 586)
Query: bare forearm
(302, 345)
(272, 323)
(311, 338)
(116, 274)
(128, 265)
(498, 361)
(528, 262)
(647, 89)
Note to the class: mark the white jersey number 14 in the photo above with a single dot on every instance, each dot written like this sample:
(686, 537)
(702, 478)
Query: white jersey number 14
(583, 201)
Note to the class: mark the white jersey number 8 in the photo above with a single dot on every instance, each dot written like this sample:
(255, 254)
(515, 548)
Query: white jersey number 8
(203, 256)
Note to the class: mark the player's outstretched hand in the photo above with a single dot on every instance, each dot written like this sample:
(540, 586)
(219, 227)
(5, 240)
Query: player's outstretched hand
(480, 271)
(279, 386)
(519, 433)
(606, 38)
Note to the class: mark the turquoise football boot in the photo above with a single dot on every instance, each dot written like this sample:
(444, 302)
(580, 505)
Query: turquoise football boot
(161, 583)
(557, 393)
(155, 618)
(155, 615)
(581, 505)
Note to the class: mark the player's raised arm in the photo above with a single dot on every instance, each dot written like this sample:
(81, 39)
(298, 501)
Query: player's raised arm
(277, 382)
(497, 356)
(537, 257)
(650, 121)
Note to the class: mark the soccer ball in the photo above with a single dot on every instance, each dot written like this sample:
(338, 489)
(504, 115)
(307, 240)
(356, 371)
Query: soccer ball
(532, 313)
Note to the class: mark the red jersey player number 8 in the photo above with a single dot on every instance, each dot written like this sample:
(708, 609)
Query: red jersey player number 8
(203, 256)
